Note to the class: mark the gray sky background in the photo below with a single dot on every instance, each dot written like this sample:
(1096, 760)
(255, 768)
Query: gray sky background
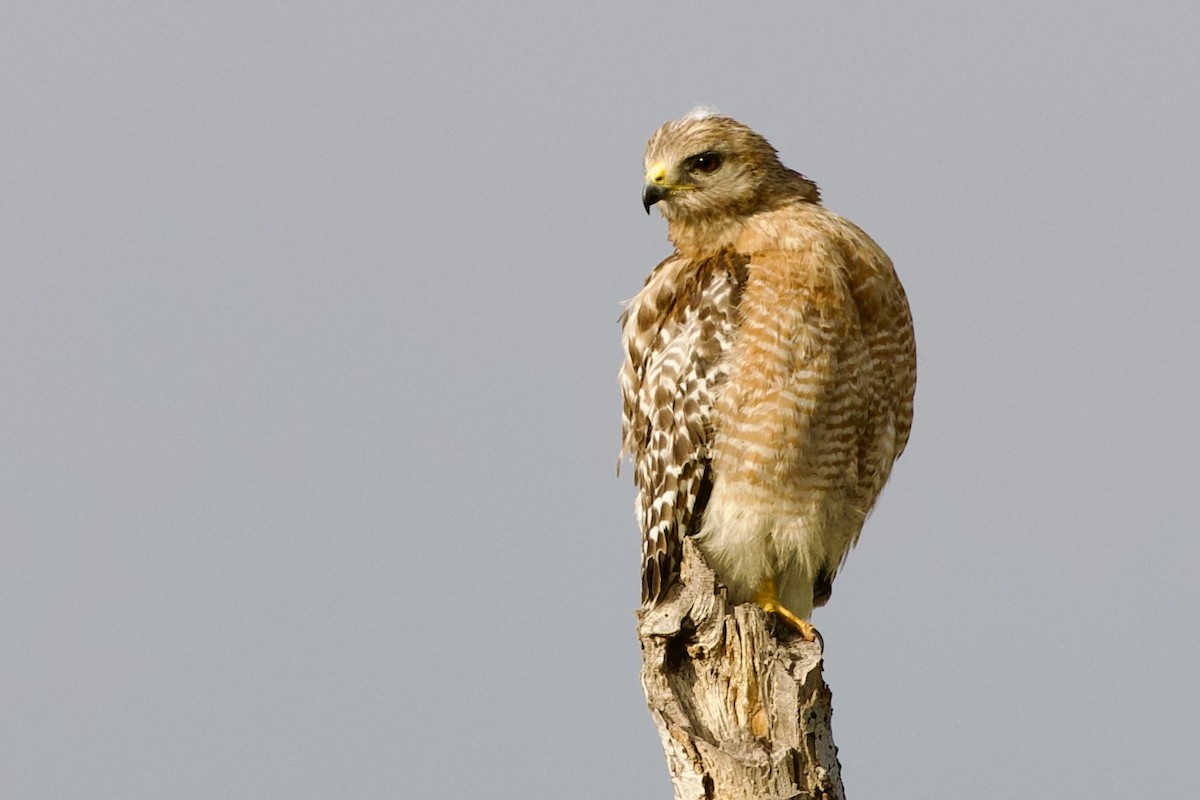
(310, 419)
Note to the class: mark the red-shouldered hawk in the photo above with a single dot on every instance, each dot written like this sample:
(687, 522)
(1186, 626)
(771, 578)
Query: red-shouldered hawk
(769, 373)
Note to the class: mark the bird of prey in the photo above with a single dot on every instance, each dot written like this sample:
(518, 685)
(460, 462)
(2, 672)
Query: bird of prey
(769, 373)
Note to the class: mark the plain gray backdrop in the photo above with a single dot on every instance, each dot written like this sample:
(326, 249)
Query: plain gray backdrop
(310, 418)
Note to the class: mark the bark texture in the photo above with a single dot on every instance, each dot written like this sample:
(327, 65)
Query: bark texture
(742, 712)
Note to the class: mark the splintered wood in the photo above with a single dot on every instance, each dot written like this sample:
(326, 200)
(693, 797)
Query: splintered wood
(742, 712)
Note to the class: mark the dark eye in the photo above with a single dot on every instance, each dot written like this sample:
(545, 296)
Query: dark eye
(707, 162)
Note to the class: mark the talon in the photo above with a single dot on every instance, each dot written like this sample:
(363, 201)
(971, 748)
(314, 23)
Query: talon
(768, 598)
(802, 626)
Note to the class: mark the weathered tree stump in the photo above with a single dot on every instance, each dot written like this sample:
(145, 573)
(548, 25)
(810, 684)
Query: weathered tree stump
(740, 704)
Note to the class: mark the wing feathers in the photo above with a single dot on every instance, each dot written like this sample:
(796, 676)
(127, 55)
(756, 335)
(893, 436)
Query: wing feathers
(677, 332)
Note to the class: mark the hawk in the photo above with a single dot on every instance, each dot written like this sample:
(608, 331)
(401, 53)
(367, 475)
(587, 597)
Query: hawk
(769, 373)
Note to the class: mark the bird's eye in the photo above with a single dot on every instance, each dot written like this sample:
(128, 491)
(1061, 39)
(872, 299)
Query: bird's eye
(707, 162)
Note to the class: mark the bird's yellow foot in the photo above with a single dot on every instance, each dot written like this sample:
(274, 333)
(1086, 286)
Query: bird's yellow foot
(768, 598)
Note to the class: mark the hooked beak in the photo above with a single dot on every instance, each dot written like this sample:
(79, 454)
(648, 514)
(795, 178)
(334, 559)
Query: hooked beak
(651, 194)
(656, 187)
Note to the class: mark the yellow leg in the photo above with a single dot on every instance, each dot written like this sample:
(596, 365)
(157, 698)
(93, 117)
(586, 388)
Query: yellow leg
(768, 597)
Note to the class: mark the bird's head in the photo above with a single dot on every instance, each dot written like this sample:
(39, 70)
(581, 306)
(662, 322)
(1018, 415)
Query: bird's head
(706, 168)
